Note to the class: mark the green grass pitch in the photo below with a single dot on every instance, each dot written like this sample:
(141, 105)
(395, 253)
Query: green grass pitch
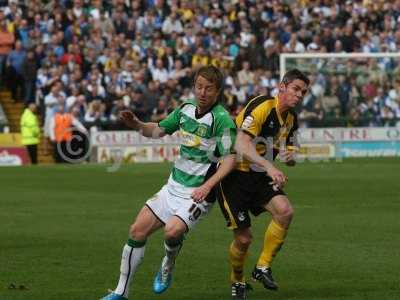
(62, 229)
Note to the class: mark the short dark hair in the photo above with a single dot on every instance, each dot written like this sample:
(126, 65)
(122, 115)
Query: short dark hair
(293, 75)
(212, 74)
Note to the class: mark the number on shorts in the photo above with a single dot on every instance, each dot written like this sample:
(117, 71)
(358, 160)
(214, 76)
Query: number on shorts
(195, 211)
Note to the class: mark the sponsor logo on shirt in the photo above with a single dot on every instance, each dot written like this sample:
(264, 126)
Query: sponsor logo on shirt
(201, 130)
(190, 139)
(247, 122)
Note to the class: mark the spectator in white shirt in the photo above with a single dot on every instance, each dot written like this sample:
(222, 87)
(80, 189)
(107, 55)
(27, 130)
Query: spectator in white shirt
(294, 45)
(213, 22)
(172, 23)
(159, 72)
(245, 75)
(51, 101)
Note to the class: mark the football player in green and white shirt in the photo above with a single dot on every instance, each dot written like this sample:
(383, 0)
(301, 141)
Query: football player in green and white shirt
(208, 134)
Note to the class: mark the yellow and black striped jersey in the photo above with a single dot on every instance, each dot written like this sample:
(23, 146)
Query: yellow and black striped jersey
(262, 120)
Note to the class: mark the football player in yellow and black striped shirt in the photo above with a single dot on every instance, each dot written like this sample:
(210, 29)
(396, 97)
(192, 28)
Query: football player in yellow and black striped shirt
(267, 126)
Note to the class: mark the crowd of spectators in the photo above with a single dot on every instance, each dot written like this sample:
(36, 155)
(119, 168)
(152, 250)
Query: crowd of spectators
(96, 58)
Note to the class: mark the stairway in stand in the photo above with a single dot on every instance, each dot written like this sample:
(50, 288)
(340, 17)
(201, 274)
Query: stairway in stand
(13, 111)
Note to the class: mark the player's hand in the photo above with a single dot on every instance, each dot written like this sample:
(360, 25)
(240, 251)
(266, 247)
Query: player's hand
(200, 193)
(129, 119)
(288, 157)
(277, 176)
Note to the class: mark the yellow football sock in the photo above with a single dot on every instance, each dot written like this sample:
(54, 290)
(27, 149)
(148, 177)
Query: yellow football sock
(273, 240)
(237, 258)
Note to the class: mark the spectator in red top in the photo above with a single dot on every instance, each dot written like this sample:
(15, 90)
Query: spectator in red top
(72, 56)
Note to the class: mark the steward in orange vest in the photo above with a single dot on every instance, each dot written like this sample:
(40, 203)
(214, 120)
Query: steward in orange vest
(63, 127)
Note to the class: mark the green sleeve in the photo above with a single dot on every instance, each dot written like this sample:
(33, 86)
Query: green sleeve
(226, 135)
(171, 123)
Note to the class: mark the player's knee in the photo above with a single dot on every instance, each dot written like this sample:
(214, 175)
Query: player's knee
(244, 240)
(285, 215)
(173, 232)
(288, 213)
(137, 233)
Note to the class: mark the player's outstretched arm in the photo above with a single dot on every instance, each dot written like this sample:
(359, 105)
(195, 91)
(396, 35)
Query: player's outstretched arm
(245, 148)
(227, 165)
(147, 129)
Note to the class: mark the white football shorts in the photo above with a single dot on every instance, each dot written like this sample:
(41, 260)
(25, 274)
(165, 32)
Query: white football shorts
(166, 205)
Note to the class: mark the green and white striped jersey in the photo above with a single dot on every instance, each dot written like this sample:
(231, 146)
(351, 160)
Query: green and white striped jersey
(204, 139)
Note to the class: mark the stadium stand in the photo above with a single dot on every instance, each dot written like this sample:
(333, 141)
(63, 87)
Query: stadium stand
(103, 56)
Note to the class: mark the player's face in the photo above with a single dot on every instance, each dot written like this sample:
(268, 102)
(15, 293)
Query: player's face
(206, 93)
(294, 92)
